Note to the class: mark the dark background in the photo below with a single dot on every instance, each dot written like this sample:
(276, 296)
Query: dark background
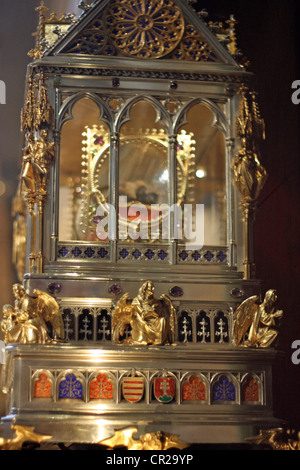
(267, 34)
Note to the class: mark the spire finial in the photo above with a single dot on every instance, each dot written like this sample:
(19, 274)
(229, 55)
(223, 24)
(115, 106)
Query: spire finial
(39, 49)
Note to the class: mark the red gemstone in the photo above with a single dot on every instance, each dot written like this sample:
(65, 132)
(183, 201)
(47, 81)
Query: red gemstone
(99, 140)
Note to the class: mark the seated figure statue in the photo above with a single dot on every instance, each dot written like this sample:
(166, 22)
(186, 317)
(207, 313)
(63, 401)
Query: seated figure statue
(152, 320)
(26, 321)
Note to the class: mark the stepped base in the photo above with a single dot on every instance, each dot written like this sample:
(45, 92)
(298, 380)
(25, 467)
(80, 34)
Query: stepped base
(79, 394)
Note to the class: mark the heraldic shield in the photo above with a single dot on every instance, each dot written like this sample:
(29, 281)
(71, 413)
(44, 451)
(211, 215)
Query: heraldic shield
(164, 389)
(133, 389)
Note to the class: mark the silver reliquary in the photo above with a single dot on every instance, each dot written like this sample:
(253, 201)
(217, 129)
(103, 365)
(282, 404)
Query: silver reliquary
(137, 304)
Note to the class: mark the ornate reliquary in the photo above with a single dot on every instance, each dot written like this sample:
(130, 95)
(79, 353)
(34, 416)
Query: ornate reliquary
(137, 303)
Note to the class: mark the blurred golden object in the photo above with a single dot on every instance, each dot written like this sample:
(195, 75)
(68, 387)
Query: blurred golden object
(19, 213)
(277, 439)
(256, 320)
(149, 441)
(23, 434)
(250, 175)
(153, 321)
(26, 321)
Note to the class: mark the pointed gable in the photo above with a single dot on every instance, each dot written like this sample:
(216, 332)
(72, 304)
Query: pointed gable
(143, 29)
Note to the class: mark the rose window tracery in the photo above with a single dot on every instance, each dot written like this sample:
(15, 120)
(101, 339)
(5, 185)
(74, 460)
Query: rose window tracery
(143, 28)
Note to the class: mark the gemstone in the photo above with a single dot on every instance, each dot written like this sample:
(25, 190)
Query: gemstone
(99, 140)
(115, 82)
(115, 289)
(236, 292)
(54, 288)
(176, 291)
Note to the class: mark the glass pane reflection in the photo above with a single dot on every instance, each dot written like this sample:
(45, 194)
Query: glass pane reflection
(207, 181)
(84, 172)
(143, 174)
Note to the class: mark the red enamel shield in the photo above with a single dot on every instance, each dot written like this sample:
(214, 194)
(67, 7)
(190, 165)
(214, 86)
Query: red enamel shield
(193, 389)
(164, 389)
(101, 387)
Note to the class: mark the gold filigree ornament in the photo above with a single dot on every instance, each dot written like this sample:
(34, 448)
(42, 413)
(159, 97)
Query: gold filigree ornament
(153, 321)
(37, 112)
(150, 441)
(28, 110)
(145, 29)
(26, 321)
(43, 110)
(254, 323)
(194, 47)
(250, 175)
(22, 434)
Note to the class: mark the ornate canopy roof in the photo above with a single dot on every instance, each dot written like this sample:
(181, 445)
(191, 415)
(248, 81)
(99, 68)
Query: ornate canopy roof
(138, 29)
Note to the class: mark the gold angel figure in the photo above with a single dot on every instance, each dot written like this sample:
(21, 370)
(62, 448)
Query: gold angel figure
(254, 323)
(152, 321)
(249, 173)
(26, 321)
(28, 181)
(37, 159)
